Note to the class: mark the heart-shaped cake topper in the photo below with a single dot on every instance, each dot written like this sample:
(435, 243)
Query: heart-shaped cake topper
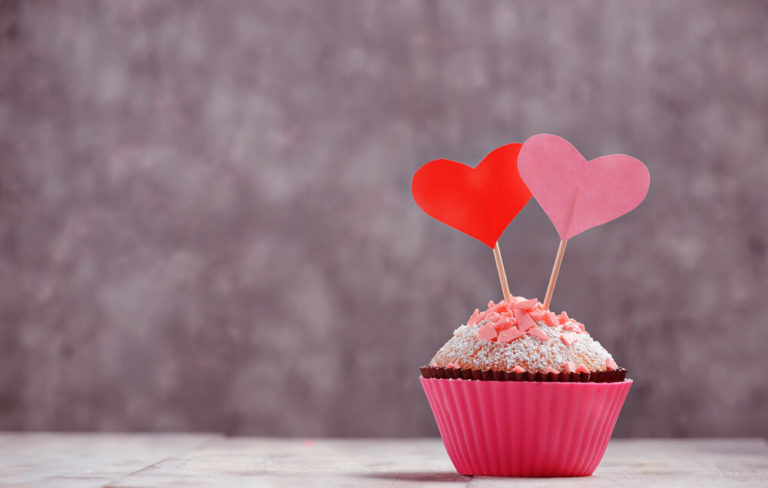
(480, 201)
(578, 194)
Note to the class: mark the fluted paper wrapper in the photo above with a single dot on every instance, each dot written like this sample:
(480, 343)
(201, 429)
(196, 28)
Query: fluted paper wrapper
(490, 375)
(525, 428)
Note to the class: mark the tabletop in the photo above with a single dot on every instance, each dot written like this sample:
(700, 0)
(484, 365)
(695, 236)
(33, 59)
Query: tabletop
(191, 460)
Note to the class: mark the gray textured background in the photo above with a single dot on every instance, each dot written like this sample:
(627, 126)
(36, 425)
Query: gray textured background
(206, 220)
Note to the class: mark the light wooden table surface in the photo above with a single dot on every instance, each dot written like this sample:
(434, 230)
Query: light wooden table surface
(189, 460)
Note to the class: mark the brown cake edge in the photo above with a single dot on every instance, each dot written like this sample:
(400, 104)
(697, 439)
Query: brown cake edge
(490, 375)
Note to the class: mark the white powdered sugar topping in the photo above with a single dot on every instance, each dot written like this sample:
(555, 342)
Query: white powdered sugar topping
(466, 350)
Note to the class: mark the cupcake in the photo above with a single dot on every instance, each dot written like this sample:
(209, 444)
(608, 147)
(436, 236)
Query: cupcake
(521, 391)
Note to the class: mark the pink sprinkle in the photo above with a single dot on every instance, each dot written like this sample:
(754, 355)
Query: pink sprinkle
(581, 326)
(473, 319)
(569, 367)
(538, 315)
(551, 371)
(568, 339)
(487, 333)
(503, 324)
(611, 364)
(518, 369)
(570, 326)
(539, 306)
(524, 321)
(527, 304)
(433, 364)
(582, 369)
(551, 319)
(495, 317)
(501, 307)
(490, 304)
(509, 335)
(538, 333)
(563, 317)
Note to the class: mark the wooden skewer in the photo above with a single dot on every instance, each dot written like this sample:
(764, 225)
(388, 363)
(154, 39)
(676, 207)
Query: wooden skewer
(502, 273)
(555, 272)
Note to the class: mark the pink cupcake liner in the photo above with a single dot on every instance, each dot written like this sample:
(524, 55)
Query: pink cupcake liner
(525, 429)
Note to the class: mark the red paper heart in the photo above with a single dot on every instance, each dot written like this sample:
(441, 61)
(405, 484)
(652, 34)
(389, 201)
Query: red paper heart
(480, 201)
(577, 194)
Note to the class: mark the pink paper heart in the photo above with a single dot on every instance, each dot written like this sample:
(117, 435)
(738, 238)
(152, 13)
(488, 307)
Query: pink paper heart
(578, 194)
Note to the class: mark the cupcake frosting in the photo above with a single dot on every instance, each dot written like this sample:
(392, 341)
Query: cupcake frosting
(519, 336)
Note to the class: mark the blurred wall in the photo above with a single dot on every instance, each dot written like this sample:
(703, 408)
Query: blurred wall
(206, 220)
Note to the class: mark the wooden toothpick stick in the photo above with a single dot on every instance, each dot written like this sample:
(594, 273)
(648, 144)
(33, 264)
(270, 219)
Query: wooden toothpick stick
(502, 273)
(555, 272)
